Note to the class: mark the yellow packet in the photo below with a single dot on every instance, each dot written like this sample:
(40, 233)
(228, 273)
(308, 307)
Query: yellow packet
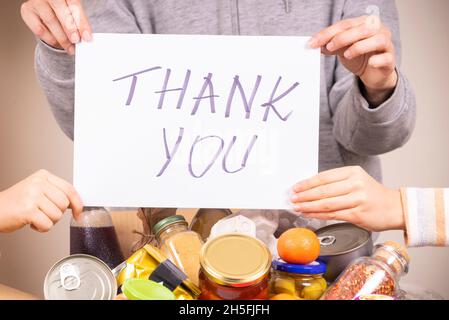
(149, 263)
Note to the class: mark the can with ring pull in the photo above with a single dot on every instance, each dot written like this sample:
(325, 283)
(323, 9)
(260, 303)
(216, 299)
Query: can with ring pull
(80, 277)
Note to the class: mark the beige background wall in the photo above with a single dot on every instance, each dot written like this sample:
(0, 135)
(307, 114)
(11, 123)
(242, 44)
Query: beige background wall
(30, 139)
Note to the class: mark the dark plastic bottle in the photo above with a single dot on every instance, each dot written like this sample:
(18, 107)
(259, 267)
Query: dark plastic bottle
(94, 234)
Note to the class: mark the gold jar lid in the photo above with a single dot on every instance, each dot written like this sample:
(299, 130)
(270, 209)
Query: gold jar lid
(235, 260)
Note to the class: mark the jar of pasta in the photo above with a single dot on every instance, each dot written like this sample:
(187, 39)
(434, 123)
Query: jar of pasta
(234, 267)
(181, 245)
(298, 280)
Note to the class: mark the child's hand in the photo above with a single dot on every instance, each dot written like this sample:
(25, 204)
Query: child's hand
(349, 194)
(39, 200)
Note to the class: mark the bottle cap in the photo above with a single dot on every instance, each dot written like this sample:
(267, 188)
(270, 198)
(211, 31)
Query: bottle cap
(143, 289)
(316, 267)
(164, 223)
(235, 260)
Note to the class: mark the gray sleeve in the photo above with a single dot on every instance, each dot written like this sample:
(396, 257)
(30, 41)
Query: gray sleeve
(358, 127)
(56, 70)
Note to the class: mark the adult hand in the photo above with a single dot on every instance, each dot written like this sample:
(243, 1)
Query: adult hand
(59, 23)
(39, 200)
(365, 47)
(349, 194)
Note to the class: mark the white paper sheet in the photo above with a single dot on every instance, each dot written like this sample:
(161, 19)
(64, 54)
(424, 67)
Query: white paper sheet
(135, 146)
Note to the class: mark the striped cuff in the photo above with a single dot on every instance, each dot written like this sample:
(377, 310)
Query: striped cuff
(426, 213)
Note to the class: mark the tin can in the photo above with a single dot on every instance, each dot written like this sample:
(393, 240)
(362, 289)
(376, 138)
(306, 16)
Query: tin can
(341, 244)
(80, 277)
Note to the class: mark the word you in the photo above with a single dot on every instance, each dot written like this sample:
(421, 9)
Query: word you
(207, 98)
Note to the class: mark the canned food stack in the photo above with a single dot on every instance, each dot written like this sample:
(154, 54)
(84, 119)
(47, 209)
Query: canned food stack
(186, 265)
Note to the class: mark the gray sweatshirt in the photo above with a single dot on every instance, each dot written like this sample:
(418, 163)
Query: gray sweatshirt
(351, 132)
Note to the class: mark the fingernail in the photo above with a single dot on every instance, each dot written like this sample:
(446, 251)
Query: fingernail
(313, 43)
(347, 54)
(71, 50)
(330, 46)
(75, 38)
(294, 198)
(87, 36)
(297, 207)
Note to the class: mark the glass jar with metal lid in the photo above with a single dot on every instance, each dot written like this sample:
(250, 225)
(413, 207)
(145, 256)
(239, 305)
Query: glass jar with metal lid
(303, 281)
(375, 275)
(181, 245)
(234, 267)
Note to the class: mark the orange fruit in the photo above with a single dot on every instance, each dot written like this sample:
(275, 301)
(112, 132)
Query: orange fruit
(284, 296)
(298, 246)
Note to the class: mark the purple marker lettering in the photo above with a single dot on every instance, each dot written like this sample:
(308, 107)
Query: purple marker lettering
(245, 158)
(134, 82)
(171, 154)
(198, 139)
(270, 104)
(201, 96)
(247, 104)
(182, 89)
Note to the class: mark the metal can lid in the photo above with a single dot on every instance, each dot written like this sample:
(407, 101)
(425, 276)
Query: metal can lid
(80, 277)
(341, 238)
(235, 260)
(315, 267)
(164, 223)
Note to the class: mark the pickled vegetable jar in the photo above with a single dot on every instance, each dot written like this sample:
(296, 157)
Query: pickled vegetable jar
(234, 267)
(303, 281)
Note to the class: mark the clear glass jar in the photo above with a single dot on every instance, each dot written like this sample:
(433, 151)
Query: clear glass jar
(211, 290)
(94, 234)
(375, 275)
(234, 267)
(301, 281)
(181, 245)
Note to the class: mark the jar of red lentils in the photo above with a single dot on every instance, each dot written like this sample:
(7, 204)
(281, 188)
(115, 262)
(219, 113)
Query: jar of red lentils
(375, 275)
(234, 267)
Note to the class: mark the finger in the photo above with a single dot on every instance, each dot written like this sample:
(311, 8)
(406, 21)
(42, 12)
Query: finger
(324, 36)
(323, 178)
(330, 190)
(351, 36)
(328, 205)
(75, 200)
(384, 60)
(342, 215)
(56, 196)
(332, 53)
(47, 207)
(40, 222)
(80, 18)
(378, 43)
(51, 21)
(36, 26)
(66, 20)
